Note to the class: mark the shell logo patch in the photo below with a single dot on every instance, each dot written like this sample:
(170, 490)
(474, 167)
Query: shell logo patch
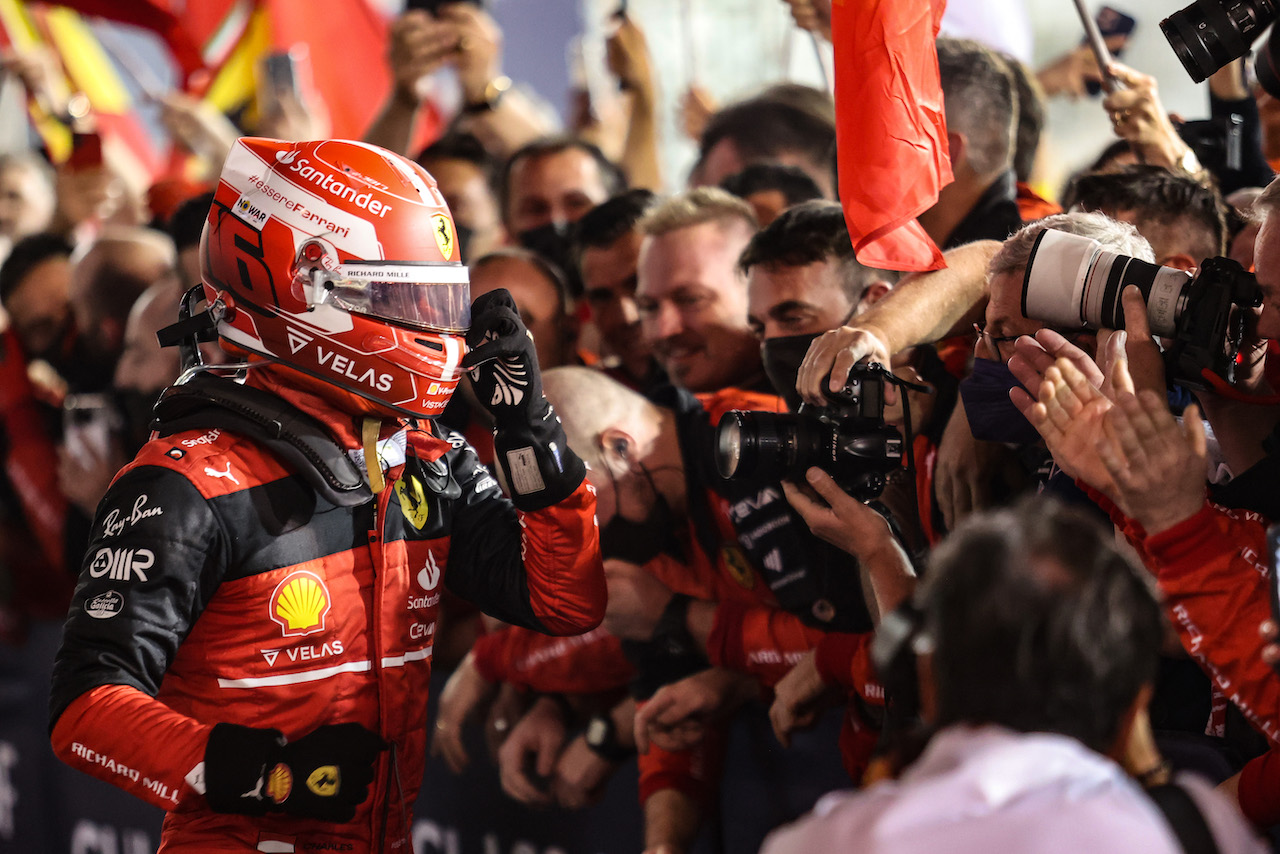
(413, 501)
(279, 783)
(442, 228)
(300, 603)
(735, 563)
(325, 781)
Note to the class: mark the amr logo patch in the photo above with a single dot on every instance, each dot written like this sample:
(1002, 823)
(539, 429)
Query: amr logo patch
(300, 604)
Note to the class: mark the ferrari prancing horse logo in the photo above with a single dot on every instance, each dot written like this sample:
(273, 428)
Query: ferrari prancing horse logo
(442, 228)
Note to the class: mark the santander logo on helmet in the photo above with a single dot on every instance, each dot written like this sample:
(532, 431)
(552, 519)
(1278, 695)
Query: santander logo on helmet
(329, 257)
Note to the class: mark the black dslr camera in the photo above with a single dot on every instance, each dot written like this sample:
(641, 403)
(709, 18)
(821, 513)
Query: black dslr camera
(1210, 33)
(848, 439)
(1072, 281)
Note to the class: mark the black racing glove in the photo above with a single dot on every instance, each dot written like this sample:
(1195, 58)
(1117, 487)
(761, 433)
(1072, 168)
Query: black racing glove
(324, 775)
(529, 442)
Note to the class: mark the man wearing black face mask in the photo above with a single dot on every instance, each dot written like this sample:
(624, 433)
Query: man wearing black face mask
(988, 410)
(803, 280)
(546, 187)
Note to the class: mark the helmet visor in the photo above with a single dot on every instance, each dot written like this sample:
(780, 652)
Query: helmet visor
(435, 296)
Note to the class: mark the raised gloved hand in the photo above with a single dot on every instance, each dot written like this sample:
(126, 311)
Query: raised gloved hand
(502, 362)
(324, 775)
(529, 442)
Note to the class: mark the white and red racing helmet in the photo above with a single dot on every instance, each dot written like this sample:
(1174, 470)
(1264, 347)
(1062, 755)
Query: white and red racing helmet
(339, 259)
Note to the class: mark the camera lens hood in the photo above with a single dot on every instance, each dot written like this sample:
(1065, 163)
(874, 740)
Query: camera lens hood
(1057, 271)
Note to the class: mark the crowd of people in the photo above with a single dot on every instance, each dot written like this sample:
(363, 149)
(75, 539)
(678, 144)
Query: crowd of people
(984, 577)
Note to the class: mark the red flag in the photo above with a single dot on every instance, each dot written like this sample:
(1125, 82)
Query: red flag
(891, 130)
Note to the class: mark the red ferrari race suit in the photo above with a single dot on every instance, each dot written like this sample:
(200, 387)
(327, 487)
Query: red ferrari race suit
(1213, 575)
(220, 586)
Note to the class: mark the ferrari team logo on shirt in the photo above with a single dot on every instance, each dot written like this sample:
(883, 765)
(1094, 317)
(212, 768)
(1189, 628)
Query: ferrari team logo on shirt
(325, 781)
(413, 501)
(737, 566)
(300, 603)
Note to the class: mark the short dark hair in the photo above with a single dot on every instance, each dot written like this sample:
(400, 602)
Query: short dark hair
(606, 222)
(186, 224)
(806, 233)
(456, 145)
(771, 124)
(615, 181)
(1031, 116)
(1157, 197)
(27, 254)
(1039, 624)
(793, 182)
(980, 101)
(548, 269)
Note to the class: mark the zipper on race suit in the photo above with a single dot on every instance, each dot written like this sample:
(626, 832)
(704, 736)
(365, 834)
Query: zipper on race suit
(377, 553)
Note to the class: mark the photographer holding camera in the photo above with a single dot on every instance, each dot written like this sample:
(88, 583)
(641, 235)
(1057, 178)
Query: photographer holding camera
(1150, 471)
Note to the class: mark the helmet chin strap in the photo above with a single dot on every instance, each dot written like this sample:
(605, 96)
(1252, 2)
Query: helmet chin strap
(369, 430)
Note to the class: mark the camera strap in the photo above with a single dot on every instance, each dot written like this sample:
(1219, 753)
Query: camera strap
(1184, 817)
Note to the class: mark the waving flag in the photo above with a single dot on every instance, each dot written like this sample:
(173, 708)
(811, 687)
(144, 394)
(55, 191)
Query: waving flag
(891, 131)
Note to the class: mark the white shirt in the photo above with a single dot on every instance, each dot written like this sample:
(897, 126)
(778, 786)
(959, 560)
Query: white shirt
(986, 790)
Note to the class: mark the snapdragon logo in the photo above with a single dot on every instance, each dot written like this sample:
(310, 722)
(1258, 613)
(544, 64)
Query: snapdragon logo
(326, 181)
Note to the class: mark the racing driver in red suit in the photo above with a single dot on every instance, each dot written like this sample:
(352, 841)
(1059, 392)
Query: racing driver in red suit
(250, 642)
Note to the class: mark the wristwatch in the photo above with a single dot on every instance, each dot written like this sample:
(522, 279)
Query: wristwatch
(493, 92)
(602, 737)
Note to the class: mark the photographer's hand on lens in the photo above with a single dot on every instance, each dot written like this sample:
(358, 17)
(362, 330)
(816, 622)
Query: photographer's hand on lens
(1158, 465)
(848, 524)
(323, 775)
(533, 747)
(1144, 362)
(832, 356)
(799, 698)
(843, 520)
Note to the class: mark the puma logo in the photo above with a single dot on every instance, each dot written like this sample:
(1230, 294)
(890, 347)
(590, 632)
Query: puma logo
(212, 472)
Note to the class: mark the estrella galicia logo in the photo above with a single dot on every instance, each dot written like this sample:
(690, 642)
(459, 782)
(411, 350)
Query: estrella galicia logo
(104, 606)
